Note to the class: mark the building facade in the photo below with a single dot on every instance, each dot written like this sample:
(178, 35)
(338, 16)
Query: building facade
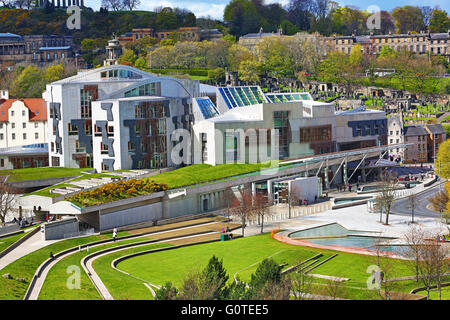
(35, 49)
(23, 133)
(81, 133)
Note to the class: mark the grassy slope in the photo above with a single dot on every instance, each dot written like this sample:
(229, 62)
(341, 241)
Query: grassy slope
(25, 267)
(41, 173)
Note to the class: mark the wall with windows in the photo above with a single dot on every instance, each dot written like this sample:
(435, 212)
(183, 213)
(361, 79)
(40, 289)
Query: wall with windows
(18, 130)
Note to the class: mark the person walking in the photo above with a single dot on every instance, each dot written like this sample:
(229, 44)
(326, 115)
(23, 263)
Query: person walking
(114, 234)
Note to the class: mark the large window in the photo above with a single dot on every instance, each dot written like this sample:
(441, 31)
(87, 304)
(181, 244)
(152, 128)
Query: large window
(85, 103)
(314, 134)
(148, 89)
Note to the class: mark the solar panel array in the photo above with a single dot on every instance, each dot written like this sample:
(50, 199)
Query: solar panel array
(288, 97)
(207, 107)
(241, 96)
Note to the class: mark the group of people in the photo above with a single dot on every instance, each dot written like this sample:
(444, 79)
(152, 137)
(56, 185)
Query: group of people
(441, 238)
(23, 222)
(343, 187)
(227, 230)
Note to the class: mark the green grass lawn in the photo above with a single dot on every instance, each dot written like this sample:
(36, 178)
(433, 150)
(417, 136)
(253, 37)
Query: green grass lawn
(119, 285)
(25, 267)
(7, 241)
(41, 173)
(434, 295)
(201, 173)
(55, 285)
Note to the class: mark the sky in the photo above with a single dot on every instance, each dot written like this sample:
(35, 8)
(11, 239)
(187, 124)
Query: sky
(215, 8)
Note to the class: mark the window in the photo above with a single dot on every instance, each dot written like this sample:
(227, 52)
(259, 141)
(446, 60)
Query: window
(103, 148)
(12, 113)
(1, 125)
(1, 136)
(36, 135)
(2, 162)
(24, 125)
(23, 113)
(52, 147)
(13, 136)
(36, 124)
(85, 103)
(24, 136)
(72, 129)
(110, 129)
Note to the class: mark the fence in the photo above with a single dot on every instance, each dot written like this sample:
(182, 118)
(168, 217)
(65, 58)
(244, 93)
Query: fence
(296, 211)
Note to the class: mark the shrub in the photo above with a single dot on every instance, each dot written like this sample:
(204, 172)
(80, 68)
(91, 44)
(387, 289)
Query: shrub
(117, 191)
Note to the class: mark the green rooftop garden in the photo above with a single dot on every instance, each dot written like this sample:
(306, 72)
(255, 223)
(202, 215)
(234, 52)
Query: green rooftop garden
(187, 176)
(41, 173)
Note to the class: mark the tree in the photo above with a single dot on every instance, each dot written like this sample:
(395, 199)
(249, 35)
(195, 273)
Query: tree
(250, 71)
(216, 275)
(408, 18)
(268, 283)
(131, 4)
(128, 57)
(261, 204)
(29, 83)
(243, 207)
(432, 261)
(385, 197)
(414, 239)
(411, 203)
(242, 17)
(442, 161)
(439, 21)
(439, 201)
(237, 54)
(217, 75)
(54, 73)
(7, 200)
(274, 58)
(115, 5)
(166, 292)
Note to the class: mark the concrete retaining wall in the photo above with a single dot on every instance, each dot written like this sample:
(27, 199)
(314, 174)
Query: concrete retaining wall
(60, 229)
(131, 216)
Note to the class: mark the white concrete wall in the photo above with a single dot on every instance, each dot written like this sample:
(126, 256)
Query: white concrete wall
(18, 114)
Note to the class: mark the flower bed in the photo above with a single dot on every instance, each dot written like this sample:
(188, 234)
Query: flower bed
(117, 191)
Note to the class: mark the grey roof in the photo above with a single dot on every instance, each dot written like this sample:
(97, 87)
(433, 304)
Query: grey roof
(55, 48)
(435, 36)
(258, 35)
(9, 35)
(435, 128)
(414, 131)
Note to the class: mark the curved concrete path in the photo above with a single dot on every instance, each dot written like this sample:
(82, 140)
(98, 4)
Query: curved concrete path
(34, 293)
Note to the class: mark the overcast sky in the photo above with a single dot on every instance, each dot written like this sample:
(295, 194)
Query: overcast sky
(215, 8)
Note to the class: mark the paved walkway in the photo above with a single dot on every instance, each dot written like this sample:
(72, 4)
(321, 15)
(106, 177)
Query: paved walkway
(32, 244)
(353, 218)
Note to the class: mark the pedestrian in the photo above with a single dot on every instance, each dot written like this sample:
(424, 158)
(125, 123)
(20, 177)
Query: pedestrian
(228, 230)
(231, 236)
(114, 234)
(349, 188)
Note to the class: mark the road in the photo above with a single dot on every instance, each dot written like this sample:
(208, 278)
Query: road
(401, 206)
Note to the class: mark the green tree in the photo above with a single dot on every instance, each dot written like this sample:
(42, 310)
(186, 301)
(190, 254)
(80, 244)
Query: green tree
(237, 54)
(128, 57)
(30, 83)
(166, 292)
(249, 71)
(408, 18)
(54, 73)
(440, 21)
(217, 75)
(442, 161)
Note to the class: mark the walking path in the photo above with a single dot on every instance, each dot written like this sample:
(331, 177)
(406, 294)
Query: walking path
(32, 244)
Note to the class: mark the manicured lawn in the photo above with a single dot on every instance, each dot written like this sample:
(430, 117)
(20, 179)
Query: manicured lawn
(239, 256)
(55, 285)
(7, 241)
(25, 267)
(201, 173)
(434, 295)
(41, 173)
(119, 285)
